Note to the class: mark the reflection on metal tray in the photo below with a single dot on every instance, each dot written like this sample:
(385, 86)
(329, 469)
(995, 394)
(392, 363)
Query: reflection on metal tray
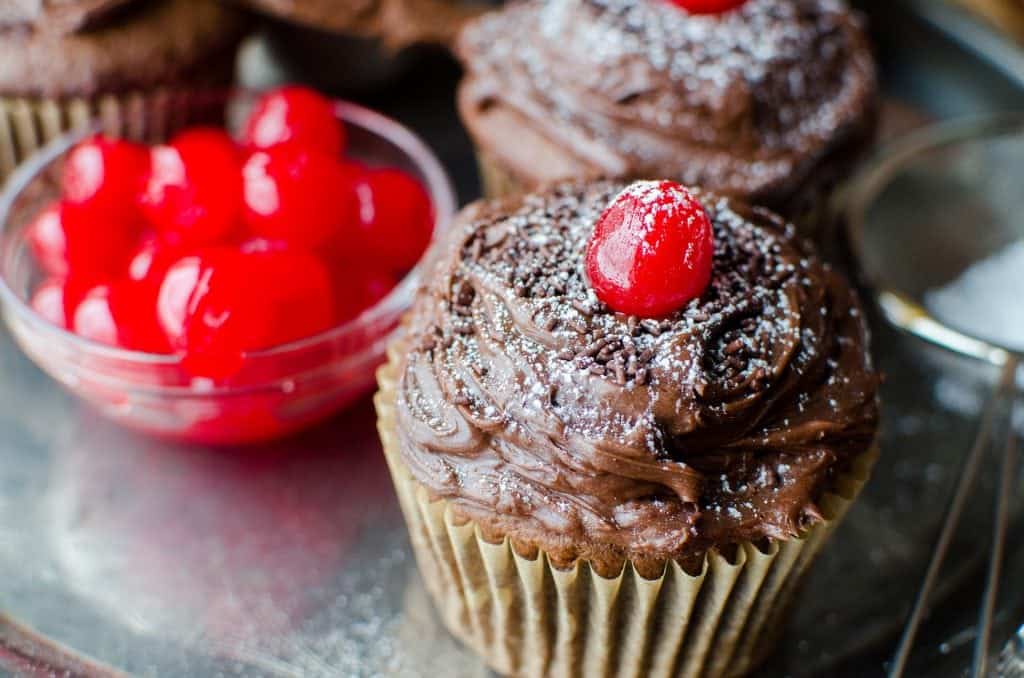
(291, 559)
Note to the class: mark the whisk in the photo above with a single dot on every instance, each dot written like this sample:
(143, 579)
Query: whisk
(947, 150)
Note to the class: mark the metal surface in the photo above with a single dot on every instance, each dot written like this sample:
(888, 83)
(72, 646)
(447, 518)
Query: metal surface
(964, 486)
(125, 554)
(1000, 522)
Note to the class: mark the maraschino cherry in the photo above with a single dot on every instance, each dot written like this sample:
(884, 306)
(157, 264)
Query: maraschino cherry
(708, 6)
(651, 250)
(220, 303)
(102, 180)
(295, 115)
(211, 248)
(395, 221)
(300, 195)
(193, 191)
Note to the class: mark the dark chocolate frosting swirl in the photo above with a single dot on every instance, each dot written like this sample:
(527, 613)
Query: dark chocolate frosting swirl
(747, 102)
(55, 16)
(541, 414)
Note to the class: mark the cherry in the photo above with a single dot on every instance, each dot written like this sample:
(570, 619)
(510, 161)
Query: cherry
(357, 288)
(295, 115)
(93, 318)
(221, 303)
(120, 314)
(651, 250)
(297, 195)
(396, 219)
(708, 6)
(65, 240)
(150, 259)
(193, 190)
(48, 241)
(48, 301)
(102, 180)
(258, 245)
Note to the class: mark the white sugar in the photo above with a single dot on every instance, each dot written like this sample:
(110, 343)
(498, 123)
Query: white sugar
(986, 300)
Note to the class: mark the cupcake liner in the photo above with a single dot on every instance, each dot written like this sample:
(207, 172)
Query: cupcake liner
(27, 124)
(526, 617)
(495, 180)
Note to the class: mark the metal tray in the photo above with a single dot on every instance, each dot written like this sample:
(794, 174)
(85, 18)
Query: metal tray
(120, 554)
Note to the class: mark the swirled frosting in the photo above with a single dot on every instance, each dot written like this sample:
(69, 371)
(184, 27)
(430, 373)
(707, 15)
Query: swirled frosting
(753, 102)
(58, 16)
(542, 415)
(69, 48)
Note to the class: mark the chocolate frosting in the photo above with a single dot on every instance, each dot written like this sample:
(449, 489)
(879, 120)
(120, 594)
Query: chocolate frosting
(398, 23)
(542, 415)
(56, 16)
(748, 102)
(117, 46)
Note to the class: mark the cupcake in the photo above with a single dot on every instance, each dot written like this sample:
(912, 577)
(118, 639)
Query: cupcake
(591, 491)
(64, 63)
(770, 101)
(348, 45)
(398, 23)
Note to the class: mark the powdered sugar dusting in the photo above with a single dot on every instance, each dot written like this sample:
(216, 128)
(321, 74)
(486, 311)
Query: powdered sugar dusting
(985, 300)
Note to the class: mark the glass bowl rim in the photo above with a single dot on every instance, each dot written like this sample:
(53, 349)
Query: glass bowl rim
(438, 185)
(898, 306)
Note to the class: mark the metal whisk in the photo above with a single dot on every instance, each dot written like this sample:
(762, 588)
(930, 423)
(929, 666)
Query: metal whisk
(898, 296)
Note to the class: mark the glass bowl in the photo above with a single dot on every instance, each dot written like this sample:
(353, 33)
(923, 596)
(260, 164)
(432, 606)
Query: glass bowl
(278, 390)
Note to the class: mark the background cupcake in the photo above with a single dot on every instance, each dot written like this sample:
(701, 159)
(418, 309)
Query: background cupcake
(588, 489)
(66, 62)
(350, 45)
(771, 101)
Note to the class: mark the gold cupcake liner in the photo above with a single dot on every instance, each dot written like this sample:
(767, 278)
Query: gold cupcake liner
(28, 124)
(495, 180)
(525, 617)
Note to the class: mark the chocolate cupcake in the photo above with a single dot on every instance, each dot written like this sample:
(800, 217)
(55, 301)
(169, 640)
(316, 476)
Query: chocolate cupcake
(398, 23)
(772, 101)
(64, 63)
(591, 490)
(350, 45)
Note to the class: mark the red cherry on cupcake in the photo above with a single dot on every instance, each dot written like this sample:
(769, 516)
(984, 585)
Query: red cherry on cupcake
(295, 115)
(708, 6)
(102, 180)
(396, 219)
(297, 195)
(651, 250)
(193, 191)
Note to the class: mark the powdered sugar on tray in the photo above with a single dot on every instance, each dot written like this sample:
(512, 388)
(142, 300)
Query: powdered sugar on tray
(987, 299)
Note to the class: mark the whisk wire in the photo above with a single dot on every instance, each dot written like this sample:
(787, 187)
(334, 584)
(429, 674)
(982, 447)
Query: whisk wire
(968, 473)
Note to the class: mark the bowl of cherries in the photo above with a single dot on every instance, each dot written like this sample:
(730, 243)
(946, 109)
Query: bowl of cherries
(234, 283)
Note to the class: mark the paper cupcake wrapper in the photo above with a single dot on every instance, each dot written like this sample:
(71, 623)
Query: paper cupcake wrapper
(495, 180)
(26, 124)
(525, 617)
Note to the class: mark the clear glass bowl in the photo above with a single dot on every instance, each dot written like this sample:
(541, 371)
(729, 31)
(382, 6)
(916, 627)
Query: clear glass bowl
(279, 390)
